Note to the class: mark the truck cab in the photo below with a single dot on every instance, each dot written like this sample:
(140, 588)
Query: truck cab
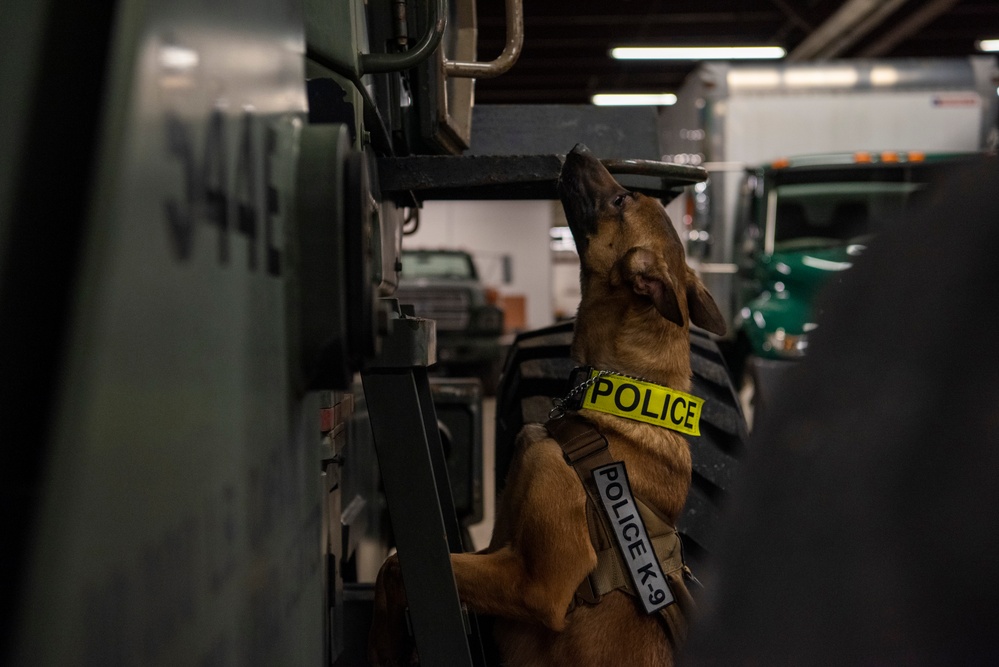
(443, 285)
(801, 223)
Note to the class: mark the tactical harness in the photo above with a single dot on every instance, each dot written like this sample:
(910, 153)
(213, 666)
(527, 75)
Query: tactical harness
(585, 449)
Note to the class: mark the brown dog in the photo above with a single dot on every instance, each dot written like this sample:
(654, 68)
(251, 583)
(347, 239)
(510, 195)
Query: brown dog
(638, 296)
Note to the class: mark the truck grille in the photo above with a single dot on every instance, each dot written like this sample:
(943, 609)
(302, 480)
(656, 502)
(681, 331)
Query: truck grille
(449, 308)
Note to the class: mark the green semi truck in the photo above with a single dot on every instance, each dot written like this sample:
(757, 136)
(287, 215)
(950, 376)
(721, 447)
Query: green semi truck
(766, 233)
(800, 224)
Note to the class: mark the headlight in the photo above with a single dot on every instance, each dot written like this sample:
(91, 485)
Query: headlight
(785, 344)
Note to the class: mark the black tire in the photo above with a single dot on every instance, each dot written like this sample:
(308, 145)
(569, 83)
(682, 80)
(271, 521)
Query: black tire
(537, 368)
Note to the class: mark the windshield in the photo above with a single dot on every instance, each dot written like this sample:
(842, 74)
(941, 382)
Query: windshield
(827, 214)
(454, 265)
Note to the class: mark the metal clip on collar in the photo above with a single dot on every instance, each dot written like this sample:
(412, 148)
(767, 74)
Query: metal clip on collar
(566, 403)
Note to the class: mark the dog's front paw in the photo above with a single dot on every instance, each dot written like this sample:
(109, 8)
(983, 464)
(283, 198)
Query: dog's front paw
(389, 642)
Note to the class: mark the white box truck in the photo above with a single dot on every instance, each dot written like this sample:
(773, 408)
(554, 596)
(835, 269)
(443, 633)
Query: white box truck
(805, 161)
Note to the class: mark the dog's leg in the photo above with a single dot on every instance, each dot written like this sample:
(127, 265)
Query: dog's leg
(547, 554)
(500, 584)
(529, 574)
(389, 642)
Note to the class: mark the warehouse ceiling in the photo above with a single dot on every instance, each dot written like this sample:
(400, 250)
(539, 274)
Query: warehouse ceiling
(565, 56)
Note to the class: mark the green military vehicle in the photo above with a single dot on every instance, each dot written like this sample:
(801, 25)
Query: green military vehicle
(801, 222)
(443, 285)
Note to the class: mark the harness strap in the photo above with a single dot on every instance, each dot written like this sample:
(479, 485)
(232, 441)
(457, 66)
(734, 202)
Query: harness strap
(583, 446)
(586, 449)
(610, 574)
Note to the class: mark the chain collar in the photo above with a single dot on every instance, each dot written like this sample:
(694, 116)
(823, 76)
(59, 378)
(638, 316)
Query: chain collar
(561, 405)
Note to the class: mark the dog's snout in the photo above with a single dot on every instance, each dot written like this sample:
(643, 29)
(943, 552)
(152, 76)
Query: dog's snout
(584, 187)
(580, 159)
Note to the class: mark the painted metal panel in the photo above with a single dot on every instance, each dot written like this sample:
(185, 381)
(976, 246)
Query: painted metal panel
(180, 522)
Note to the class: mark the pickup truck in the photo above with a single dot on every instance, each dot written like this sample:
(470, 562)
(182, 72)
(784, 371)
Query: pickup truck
(443, 285)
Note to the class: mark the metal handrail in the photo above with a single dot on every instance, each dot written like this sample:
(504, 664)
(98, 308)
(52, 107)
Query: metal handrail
(380, 63)
(506, 60)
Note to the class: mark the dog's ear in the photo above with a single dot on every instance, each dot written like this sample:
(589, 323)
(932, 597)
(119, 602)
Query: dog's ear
(702, 307)
(649, 277)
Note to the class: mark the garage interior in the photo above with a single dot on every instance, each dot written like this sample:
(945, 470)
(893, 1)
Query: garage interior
(220, 415)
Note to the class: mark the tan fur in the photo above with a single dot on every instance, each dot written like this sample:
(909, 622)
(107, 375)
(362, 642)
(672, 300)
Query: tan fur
(540, 550)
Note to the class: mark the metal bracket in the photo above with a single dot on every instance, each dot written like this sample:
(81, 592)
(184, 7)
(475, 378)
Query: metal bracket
(518, 176)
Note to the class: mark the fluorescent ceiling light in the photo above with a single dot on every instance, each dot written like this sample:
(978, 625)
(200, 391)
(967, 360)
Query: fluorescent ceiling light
(821, 77)
(697, 52)
(753, 78)
(884, 76)
(616, 100)
(178, 57)
(988, 45)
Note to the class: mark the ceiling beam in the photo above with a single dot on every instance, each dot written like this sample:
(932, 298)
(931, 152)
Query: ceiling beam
(793, 16)
(852, 22)
(907, 28)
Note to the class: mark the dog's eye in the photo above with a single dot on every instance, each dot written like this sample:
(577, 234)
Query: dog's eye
(619, 200)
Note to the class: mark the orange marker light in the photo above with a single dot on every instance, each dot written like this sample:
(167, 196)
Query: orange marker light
(889, 156)
(862, 157)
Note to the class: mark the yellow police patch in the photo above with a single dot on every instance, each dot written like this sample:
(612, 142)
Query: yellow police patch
(644, 402)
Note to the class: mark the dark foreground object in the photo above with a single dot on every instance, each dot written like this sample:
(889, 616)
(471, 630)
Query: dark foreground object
(864, 532)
